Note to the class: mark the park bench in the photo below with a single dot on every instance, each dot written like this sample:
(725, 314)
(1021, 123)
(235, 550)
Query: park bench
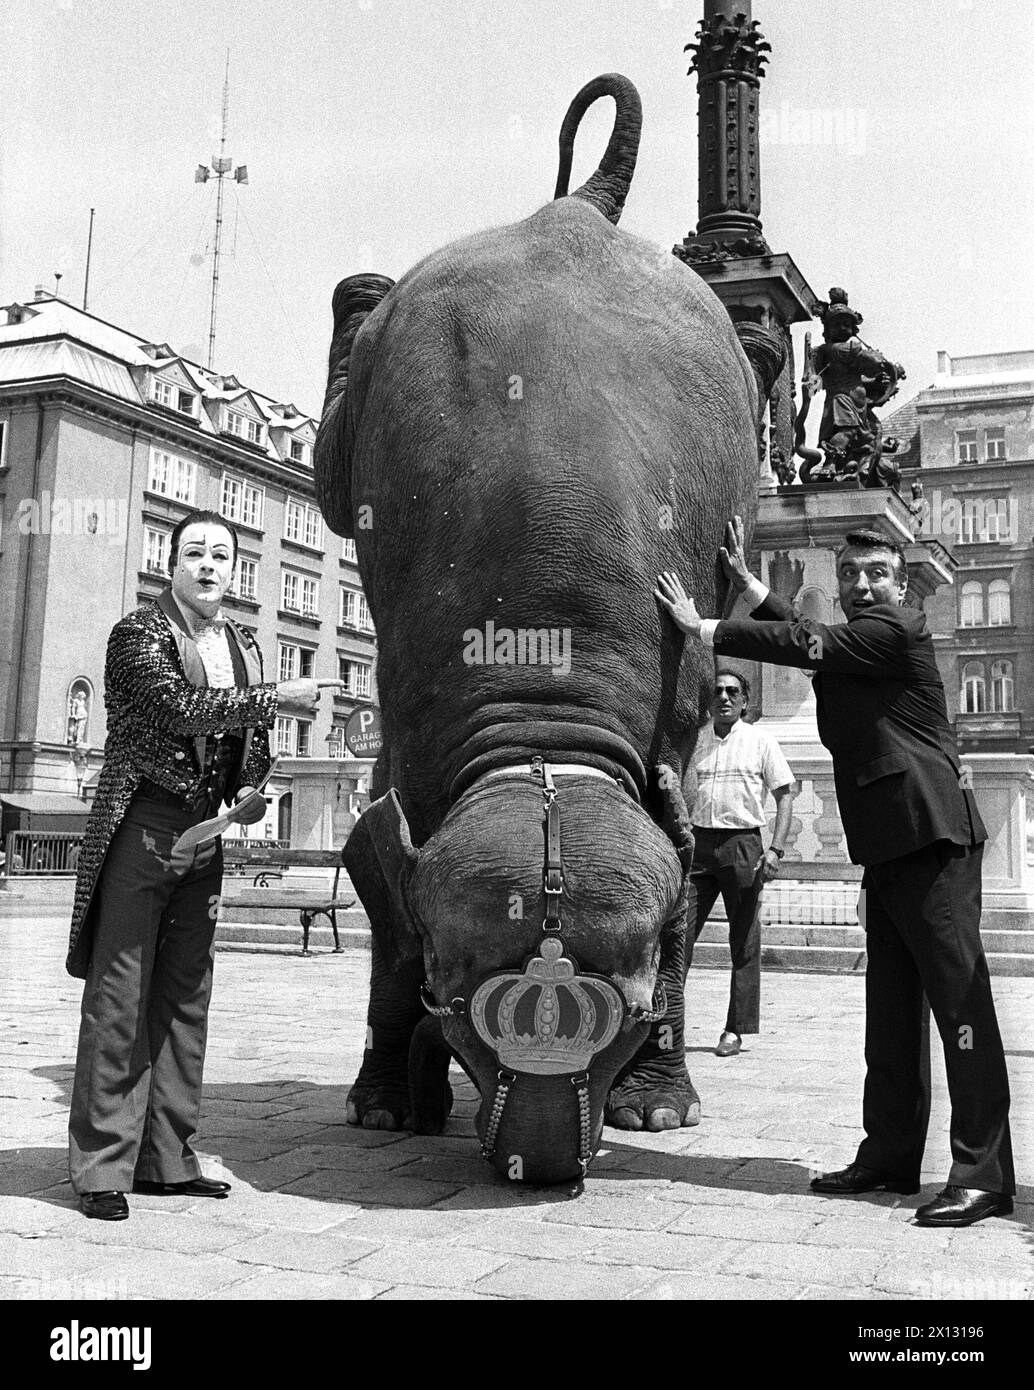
(268, 863)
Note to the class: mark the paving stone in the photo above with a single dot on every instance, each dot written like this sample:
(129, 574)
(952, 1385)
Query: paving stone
(808, 1264)
(596, 1209)
(384, 1189)
(715, 1287)
(281, 1210)
(400, 1225)
(565, 1280)
(283, 1284)
(735, 1222)
(422, 1263)
(300, 1250)
(660, 1250)
(538, 1239)
(410, 1293)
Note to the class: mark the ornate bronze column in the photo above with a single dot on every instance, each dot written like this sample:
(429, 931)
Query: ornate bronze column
(728, 249)
(729, 58)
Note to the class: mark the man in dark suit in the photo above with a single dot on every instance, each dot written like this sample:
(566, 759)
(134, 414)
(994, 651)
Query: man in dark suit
(188, 713)
(911, 820)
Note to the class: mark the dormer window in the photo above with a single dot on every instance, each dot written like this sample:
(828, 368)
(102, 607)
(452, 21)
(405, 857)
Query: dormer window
(244, 427)
(299, 451)
(173, 397)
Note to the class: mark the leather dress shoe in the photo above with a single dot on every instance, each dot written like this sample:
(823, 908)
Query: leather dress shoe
(104, 1206)
(962, 1206)
(857, 1178)
(728, 1045)
(193, 1187)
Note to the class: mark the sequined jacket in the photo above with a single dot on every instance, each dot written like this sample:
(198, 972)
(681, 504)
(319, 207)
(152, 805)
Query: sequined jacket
(160, 716)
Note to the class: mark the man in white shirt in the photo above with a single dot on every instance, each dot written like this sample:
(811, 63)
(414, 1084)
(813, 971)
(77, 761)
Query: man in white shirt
(736, 764)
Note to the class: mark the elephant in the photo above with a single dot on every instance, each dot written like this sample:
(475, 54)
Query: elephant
(519, 435)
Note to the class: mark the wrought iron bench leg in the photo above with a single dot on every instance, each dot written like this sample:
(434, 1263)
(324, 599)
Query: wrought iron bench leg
(306, 916)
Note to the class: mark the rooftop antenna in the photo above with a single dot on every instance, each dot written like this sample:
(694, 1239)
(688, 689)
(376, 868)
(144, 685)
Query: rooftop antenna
(221, 165)
(57, 282)
(89, 249)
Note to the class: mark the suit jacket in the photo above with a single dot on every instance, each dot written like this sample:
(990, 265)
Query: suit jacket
(882, 715)
(161, 714)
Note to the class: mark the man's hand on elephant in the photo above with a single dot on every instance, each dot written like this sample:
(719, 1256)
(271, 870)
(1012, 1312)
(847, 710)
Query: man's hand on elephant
(734, 557)
(303, 693)
(678, 603)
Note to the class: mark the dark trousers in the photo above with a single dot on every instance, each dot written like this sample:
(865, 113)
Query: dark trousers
(725, 861)
(922, 924)
(137, 1091)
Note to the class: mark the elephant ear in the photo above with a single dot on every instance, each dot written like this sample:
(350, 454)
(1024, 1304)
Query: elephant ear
(354, 301)
(380, 858)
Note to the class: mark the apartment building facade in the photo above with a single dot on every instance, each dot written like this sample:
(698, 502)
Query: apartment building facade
(969, 438)
(106, 442)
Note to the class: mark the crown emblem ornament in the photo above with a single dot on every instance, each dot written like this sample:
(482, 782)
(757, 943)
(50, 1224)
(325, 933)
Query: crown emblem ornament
(548, 1019)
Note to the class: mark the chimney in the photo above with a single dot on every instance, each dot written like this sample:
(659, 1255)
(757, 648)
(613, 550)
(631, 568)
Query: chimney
(943, 363)
(41, 292)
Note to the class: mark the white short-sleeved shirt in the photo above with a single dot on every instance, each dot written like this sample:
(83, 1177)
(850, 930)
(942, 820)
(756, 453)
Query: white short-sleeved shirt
(733, 775)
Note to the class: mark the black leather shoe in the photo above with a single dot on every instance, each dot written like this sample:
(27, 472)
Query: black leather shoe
(857, 1178)
(193, 1187)
(962, 1206)
(104, 1206)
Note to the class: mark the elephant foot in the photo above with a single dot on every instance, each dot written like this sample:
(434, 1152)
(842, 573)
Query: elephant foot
(431, 1110)
(379, 1107)
(652, 1105)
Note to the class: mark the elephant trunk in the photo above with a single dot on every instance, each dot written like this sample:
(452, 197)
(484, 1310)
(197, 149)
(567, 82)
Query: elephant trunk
(607, 189)
(354, 300)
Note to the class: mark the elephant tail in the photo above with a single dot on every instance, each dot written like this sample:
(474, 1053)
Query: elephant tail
(608, 187)
(354, 300)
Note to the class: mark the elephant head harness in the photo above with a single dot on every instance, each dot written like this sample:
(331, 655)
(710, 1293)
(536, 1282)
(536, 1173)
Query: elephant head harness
(548, 1018)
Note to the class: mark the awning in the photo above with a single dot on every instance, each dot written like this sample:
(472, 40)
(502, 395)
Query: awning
(45, 803)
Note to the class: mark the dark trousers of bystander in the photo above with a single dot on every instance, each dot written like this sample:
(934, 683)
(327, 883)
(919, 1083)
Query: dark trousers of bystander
(726, 862)
(137, 1091)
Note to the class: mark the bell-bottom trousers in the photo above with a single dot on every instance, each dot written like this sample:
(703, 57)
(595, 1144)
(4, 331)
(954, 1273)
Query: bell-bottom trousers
(137, 1091)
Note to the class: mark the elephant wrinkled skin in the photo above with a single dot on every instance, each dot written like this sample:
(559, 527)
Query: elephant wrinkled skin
(520, 435)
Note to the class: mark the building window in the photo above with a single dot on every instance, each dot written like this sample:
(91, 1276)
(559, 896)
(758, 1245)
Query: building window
(156, 550)
(984, 519)
(972, 614)
(304, 524)
(244, 427)
(973, 699)
(356, 677)
(171, 476)
(1001, 687)
(336, 746)
(240, 501)
(299, 451)
(285, 736)
(999, 603)
(996, 519)
(995, 445)
(247, 578)
(348, 551)
(174, 397)
(304, 741)
(300, 593)
(355, 611)
(294, 662)
(3, 443)
(966, 445)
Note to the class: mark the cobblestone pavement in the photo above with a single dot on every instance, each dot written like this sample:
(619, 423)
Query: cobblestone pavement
(323, 1211)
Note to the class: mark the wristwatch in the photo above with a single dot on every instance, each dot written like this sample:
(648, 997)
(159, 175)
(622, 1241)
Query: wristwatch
(777, 852)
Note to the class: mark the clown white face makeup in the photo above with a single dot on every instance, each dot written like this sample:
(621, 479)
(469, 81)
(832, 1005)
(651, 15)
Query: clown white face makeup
(204, 567)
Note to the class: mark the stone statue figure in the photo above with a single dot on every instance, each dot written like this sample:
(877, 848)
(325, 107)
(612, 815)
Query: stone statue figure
(78, 713)
(856, 379)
